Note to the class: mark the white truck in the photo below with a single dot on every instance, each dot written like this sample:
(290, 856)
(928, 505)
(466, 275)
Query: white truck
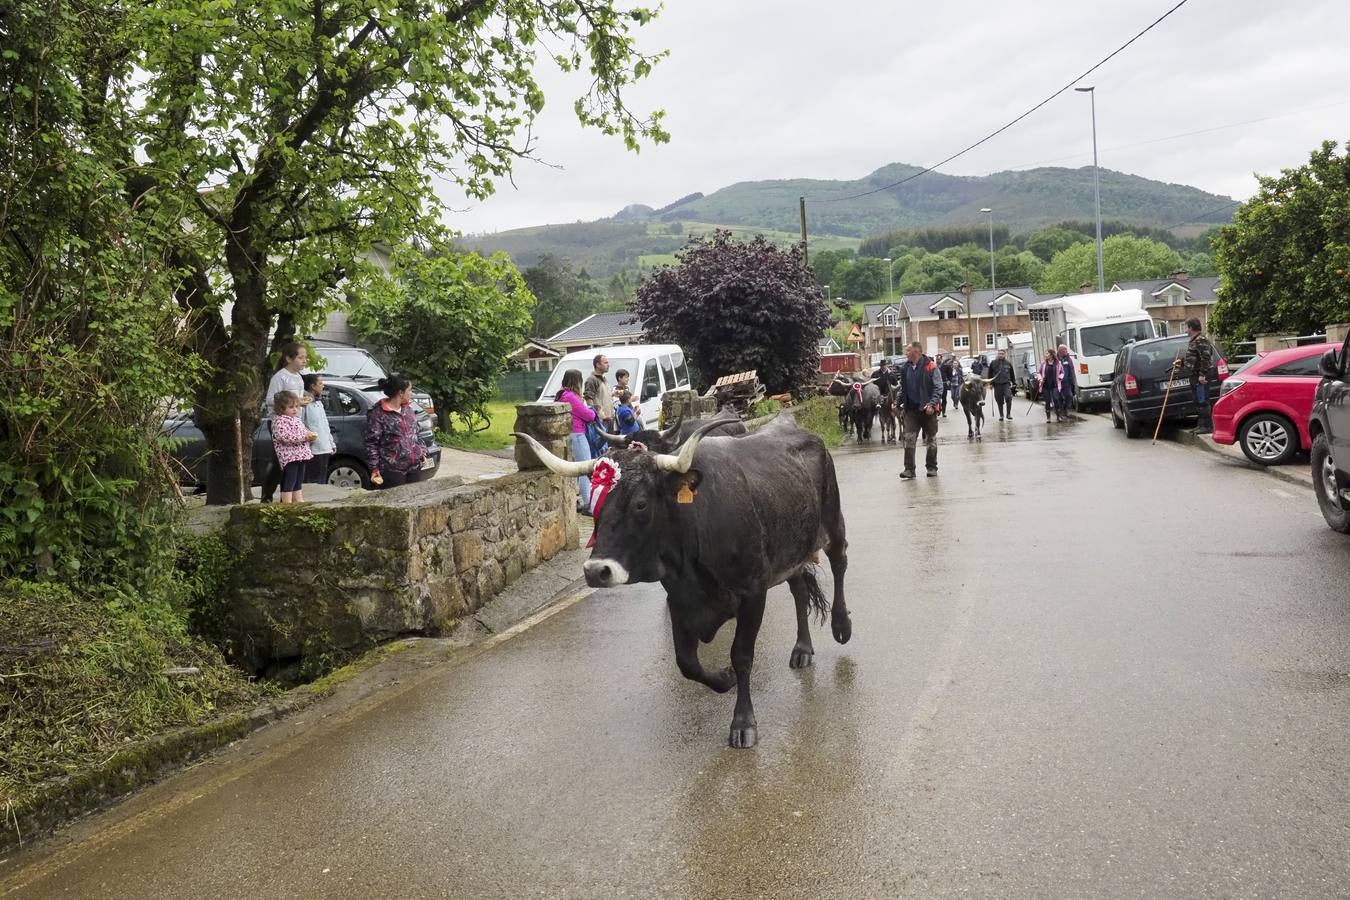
(1095, 327)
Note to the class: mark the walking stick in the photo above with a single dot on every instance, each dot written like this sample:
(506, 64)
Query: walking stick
(1167, 393)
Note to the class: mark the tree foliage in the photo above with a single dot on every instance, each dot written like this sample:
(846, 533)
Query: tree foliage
(563, 295)
(736, 307)
(1049, 241)
(448, 321)
(87, 358)
(1124, 258)
(932, 239)
(272, 144)
(1284, 263)
(938, 272)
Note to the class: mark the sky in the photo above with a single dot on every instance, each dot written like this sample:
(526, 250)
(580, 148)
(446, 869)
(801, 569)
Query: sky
(761, 89)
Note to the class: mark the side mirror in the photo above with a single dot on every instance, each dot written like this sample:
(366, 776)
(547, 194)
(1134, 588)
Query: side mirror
(1329, 366)
(650, 390)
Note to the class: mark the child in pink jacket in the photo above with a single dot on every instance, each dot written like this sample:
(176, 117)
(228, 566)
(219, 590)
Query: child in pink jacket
(291, 440)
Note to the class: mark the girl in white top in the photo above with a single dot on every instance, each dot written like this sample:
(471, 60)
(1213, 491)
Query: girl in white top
(294, 357)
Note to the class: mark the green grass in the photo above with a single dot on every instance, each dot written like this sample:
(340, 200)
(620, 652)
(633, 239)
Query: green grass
(497, 436)
(821, 415)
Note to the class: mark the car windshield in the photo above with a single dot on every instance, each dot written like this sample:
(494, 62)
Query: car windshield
(349, 362)
(1153, 359)
(1105, 340)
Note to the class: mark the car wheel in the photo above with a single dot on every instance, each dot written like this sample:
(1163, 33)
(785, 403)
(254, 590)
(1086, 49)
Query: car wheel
(345, 472)
(1133, 427)
(1268, 439)
(1115, 419)
(1327, 487)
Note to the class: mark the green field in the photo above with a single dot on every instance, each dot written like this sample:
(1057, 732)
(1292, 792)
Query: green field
(502, 418)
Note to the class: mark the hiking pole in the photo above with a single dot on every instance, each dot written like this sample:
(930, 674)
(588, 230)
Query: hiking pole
(1167, 393)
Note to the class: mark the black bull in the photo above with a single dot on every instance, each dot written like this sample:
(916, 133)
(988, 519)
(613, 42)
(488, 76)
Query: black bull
(719, 525)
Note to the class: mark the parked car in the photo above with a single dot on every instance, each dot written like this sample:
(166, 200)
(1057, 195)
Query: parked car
(1264, 406)
(1140, 380)
(652, 368)
(346, 403)
(1329, 427)
(351, 363)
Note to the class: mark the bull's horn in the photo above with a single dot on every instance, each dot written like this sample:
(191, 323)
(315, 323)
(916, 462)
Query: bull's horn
(621, 440)
(668, 433)
(680, 463)
(564, 467)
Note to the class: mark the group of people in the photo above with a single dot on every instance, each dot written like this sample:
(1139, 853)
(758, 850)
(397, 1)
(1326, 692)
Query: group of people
(924, 384)
(596, 408)
(302, 441)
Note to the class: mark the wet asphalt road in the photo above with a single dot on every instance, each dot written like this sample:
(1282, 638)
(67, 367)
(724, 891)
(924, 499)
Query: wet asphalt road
(1080, 666)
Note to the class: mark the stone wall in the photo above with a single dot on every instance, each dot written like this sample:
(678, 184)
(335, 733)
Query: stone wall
(313, 581)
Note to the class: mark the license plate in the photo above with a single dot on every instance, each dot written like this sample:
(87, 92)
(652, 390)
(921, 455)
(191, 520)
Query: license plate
(1174, 385)
(428, 463)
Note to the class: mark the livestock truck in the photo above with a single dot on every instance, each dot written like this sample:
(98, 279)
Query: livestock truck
(1095, 327)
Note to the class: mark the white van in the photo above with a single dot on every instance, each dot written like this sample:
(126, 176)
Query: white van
(652, 370)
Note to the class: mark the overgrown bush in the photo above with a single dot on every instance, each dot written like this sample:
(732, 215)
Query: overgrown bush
(821, 415)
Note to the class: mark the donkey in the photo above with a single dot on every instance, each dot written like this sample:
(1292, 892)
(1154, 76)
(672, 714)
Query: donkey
(890, 417)
(972, 403)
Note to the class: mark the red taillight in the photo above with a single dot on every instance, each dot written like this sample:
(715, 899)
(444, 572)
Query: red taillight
(1131, 386)
(1223, 368)
(1082, 368)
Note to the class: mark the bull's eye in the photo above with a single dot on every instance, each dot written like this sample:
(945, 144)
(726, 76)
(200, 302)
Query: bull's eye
(640, 506)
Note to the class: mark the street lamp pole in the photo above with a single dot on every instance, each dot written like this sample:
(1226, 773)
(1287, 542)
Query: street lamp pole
(890, 296)
(993, 288)
(1096, 185)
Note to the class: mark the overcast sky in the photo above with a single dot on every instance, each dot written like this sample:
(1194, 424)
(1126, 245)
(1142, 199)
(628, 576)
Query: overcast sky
(758, 89)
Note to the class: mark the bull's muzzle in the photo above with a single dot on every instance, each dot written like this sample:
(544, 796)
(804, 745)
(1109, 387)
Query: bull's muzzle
(603, 573)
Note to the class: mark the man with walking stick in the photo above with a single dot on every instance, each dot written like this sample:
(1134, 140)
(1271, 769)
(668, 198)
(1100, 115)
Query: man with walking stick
(1198, 358)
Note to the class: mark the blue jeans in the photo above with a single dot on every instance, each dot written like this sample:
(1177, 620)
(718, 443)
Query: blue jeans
(581, 451)
(1200, 391)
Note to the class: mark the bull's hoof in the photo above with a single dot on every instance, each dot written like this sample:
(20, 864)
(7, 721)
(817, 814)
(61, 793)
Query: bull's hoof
(842, 627)
(722, 681)
(743, 738)
(971, 436)
(802, 657)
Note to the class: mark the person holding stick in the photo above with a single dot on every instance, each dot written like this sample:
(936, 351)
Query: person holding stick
(1198, 358)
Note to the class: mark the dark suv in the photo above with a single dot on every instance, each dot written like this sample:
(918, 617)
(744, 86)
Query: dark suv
(1140, 379)
(1329, 428)
(345, 402)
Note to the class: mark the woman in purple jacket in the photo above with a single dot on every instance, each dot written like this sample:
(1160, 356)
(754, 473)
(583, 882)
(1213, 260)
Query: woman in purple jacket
(581, 415)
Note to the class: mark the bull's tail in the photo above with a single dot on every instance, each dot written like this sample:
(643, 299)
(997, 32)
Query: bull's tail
(815, 597)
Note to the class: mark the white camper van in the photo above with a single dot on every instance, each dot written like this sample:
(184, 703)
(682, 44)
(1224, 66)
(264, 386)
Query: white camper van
(1095, 327)
(653, 369)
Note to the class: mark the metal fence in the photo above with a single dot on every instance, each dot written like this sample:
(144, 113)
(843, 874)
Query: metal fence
(521, 387)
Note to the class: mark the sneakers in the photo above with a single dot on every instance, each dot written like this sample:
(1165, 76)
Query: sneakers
(932, 473)
(908, 473)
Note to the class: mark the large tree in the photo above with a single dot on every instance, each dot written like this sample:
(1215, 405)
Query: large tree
(1124, 258)
(1284, 263)
(286, 139)
(737, 306)
(447, 320)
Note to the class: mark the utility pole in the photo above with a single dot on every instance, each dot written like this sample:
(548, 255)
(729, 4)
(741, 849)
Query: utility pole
(970, 323)
(993, 288)
(801, 205)
(1096, 185)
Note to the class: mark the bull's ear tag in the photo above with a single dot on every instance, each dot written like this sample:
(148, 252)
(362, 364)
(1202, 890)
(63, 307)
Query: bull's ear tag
(686, 494)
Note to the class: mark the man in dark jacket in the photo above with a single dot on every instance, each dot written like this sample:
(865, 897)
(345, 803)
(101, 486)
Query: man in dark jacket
(1067, 384)
(921, 397)
(1197, 360)
(1001, 373)
(948, 365)
(885, 377)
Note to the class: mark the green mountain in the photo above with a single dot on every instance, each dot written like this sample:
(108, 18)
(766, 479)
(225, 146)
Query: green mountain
(640, 237)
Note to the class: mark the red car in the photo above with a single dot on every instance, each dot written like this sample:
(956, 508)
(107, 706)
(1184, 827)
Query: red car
(1264, 406)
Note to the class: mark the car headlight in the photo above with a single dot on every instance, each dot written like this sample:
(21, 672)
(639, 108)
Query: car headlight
(1230, 385)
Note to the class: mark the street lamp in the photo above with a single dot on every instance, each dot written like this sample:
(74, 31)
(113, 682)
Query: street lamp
(890, 295)
(1096, 185)
(993, 300)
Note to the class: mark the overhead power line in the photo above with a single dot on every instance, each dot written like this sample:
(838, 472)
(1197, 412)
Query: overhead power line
(995, 133)
(1201, 217)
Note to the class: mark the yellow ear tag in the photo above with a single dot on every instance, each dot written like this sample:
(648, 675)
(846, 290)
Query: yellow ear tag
(685, 496)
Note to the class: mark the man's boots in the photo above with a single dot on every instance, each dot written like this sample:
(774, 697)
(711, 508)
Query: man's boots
(1206, 423)
(909, 463)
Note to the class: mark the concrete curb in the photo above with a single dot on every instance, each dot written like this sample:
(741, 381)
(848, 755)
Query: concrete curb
(36, 814)
(1191, 439)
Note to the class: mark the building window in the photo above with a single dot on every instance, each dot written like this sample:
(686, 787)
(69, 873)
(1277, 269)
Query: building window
(1007, 309)
(989, 340)
(890, 320)
(1178, 298)
(946, 314)
(961, 342)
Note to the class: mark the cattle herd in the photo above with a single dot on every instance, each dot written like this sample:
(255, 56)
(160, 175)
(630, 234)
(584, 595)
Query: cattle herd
(718, 519)
(863, 403)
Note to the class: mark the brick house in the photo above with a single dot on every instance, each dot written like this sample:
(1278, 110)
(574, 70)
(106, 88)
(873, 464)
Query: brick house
(1176, 298)
(939, 320)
